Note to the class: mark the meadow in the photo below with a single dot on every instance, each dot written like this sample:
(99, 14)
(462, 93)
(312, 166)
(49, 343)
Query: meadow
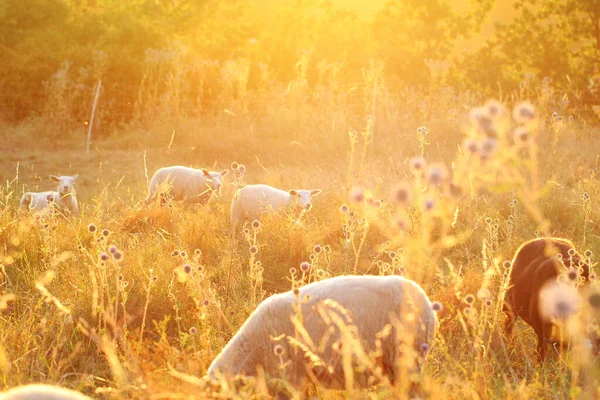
(439, 179)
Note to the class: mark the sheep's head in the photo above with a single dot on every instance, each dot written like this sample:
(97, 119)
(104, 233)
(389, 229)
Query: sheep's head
(303, 198)
(65, 183)
(215, 179)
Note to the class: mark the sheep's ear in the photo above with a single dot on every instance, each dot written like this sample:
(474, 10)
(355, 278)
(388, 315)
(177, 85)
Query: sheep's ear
(75, 176)
(224, 172)
(54, 178)
(206, 173)
(315, 192)
(293, 192)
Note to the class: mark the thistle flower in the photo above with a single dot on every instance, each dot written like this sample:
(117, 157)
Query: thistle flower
(104, 256)
(327, 248)
(588, 253)
(241, 169)
(253, 249)
(469, 299)
(392, 254)
(175, 253)
(483, 294)
(344, 209)
(193, 330)
(293, 271)
(182, 254)
(522, 136)
(494, 108)
(234, 165)
(401, 194)
(428, 204)
(436, 174)
(416, 165)
(304, 266)
(205, 303)
(572, 275)
(357, 195)
(437, 306)
(424, 348)
(488, 148)
(117, 255)
(558, 301)
(197, 252)
(470, 145)
(524, 112)
(105, 232)
(488, 303)
(483, 121)
(187, 268)
(92, 228)
(296, 292)
(317, 249)
(256, 224)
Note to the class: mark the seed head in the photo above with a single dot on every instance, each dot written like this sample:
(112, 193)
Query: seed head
(392, 254)
(154, 278)
(104, 256)
(197, 252)
(524, 112)
(241, 169)
(182, 254)
(488, 147)
(117, 255)
(293, 271)
(437, 306)
(424, 348)
(200, 268)
(205, 303)
(246, 231)
(488, 303)
(588, 254)
(296, 292)
(120, 277)
(494, 108)
(483, 294)
(278, 350)
(469, 299)
(470, 145)
(344, 209)
(50, 198)
(253, 249)
(193, 330)
(234, 165)
(357, 195)
(351, 214)
(256, 224)
(304, 266)
(572, 275)
(175, 253)
(571, 252)
(187, 268)
(522, 136)
(92, 228)
(327, 248)
(317, 249)
(429, 204)
(105, 232)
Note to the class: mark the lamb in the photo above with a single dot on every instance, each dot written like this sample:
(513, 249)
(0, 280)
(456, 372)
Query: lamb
(186, 184)
(534, 266)
(41, 392)
(253, 200)
(64, 198)
(389, 315)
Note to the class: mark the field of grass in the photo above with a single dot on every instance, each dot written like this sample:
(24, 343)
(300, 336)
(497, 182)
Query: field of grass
(141, 327)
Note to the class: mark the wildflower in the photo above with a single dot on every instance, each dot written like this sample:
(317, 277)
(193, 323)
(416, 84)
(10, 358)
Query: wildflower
(317, 249)
(253, 249)
(594, 300)
(423, 130)
(572, 275)
(483, 121)
(304, 266)
(205, 303)
(182, 254)
(105, 232)
(436, 174)
(488, 303)
(256, 224)
(327, 248)
(79, 247)
(344, 209)
(392, 254)
(424, 348)
(483, 294)
(357, 195)
(588, 253)
(92, 228)
(402, 194)
(571, 252)
(312, 257)
(488, 220)
(175, 253)
(246, 231)
(200, 268)
(494, 108)
(351, 214)
(154, 278)
(522, 136)
(234, 165)
(524, 112)
(278, 350)
(241, 169)
(437, 306)
(296, 292)
(558, 300)
(416, 165)
(469, 299)
(429, 204)
(488, 148)
(197, 252)
(293, 271)
(117, 255)
(193, 330)
(593, 277)
(470, 145)
(187, 268)
(104, 256)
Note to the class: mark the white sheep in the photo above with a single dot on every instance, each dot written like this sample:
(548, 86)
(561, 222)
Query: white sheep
(64, 198)
(251, 201)
(390, 316)
(186, 184)
(41, 392)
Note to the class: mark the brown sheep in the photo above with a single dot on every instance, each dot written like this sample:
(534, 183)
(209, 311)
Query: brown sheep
(534, 265)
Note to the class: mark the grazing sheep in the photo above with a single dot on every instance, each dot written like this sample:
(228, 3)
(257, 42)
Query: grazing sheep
(41, 392)
(388, 315)
(253, 200)
(186, 184)
(64, 198)
(534, 266)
